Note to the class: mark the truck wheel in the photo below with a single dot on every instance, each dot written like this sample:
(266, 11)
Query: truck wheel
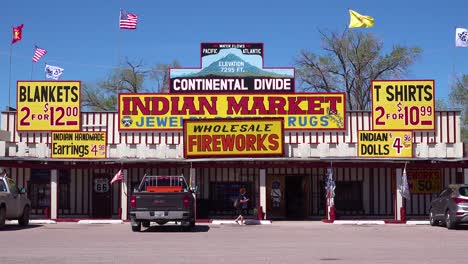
(146, 224)
(137, 227)
(189, 228)
(449, 221)
(2, 216)
(24, 220)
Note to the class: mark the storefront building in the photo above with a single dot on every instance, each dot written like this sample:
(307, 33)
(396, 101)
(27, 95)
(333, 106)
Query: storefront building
(282, 157)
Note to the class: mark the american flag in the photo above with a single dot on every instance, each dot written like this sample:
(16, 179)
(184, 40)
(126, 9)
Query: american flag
(127, 20)
(118, 176)
(38, 53)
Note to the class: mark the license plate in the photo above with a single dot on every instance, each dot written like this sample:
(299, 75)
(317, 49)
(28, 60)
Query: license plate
(159, 213)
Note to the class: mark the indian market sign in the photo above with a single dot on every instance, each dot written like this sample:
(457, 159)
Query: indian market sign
(48, 105)
(79, 145)
(403, 105)
(304, 111)
(388, 144)
(232, 68)
(233, 137)
(424, 181)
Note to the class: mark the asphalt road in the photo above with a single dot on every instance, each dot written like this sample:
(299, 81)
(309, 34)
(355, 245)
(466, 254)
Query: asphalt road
(281, 242)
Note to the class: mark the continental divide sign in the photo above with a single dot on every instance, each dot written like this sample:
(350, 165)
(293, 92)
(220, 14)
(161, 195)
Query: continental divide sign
(233, 137)
(232, 68)
(304, 111)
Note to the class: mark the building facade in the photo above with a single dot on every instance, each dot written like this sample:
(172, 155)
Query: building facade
(287, 187)
(233, 123)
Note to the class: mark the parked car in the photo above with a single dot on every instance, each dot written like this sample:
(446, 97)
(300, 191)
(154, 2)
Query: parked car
(14, 203)
(162, 199)
(450, 207)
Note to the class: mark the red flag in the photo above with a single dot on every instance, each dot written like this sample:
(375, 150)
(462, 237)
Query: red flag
(118, 176)
(17, 33)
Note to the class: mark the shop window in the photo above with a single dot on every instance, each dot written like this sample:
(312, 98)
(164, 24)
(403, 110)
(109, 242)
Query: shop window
(39, 189)
(223, 194)
(348, 196)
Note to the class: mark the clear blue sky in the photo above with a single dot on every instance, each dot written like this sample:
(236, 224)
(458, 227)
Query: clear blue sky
(83, 37)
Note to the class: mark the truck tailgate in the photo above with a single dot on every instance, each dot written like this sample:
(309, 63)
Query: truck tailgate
(160, 201)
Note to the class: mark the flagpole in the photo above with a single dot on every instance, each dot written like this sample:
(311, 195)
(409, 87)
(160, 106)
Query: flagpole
(9, 78)
(32, 69)
(454, 76)
(119, 36)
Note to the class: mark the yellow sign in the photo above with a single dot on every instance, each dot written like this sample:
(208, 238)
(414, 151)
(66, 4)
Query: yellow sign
(389, 144)
(403, 105)
(233, 137)
(303, 111)
(48, 105)
(424, 181)
(79, 145)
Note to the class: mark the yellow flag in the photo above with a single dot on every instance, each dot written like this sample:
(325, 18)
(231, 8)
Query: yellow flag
(357, 20)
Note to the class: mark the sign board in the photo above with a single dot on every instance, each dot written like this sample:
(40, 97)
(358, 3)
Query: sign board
(385, 144)
(424, 181)
(48, 105)
(305, 111)
(79, 145)
(232, 68)
(403, 105)
(233, 137)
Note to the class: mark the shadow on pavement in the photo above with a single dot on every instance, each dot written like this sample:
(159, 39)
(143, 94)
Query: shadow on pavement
(174, 228)
(461, 227)
(15, 227)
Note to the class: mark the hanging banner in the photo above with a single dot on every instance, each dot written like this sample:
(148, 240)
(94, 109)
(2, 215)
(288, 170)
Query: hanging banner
(48, 105)
(233, 137)
(403, 105)
(304, 111)
(79, 145)
(388, 144)
(232, 68)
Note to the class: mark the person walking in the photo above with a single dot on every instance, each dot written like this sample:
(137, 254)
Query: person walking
(241, 206)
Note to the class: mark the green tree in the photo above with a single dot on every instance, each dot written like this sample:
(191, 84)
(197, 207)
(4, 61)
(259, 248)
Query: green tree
(350, 61)
(459, 98)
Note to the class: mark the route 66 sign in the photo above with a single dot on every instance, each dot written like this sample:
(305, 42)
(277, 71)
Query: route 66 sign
(101, 185)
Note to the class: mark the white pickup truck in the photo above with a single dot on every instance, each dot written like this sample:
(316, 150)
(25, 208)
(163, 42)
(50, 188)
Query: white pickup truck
(14, 203)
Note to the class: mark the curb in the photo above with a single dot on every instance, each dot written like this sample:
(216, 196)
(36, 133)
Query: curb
(247, 222)
(357, 222)
(33, 222)
(417, 222)
(88, 222)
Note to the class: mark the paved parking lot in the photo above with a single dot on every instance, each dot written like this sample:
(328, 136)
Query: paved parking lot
(281, 242)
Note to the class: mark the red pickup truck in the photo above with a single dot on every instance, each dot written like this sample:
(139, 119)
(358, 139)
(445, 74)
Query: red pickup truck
(162, 199)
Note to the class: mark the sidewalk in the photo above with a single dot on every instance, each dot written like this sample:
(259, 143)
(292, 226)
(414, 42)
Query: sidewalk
(247, 222)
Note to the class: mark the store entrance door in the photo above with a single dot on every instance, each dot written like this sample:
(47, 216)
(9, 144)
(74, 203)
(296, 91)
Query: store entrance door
(295, 197)
(102, 196)
(276, 207)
